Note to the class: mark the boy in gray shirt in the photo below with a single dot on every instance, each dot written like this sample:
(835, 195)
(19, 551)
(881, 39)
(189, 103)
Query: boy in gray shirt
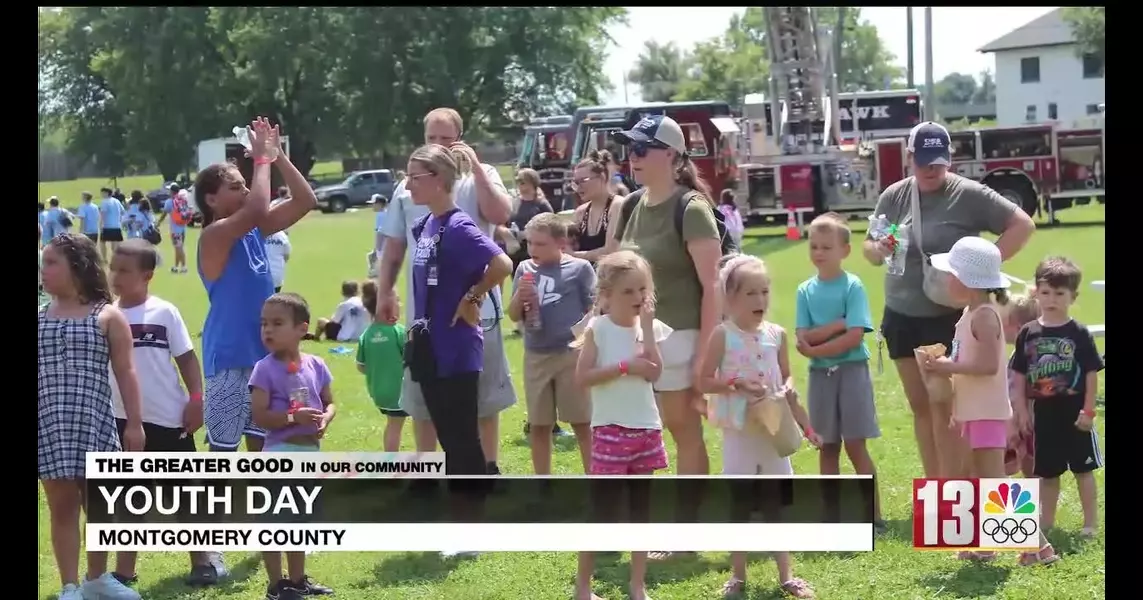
(559, 288)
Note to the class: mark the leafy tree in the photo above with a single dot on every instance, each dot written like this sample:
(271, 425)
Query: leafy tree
(659, 71)
(1087, 25)
(955, 88)
(986, 91)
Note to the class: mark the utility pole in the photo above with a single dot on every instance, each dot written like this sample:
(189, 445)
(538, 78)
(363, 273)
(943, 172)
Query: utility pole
(909, 42)
(930, 108)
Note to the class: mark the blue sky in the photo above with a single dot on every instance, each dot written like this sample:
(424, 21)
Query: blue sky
(957, 33)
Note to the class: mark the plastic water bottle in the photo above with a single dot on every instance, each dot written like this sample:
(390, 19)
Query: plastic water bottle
(299, 396)
(878, 226)
(895, 263)
(531, 304)
(243, 137)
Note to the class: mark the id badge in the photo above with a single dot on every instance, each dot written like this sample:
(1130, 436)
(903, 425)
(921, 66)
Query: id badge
(431, 278)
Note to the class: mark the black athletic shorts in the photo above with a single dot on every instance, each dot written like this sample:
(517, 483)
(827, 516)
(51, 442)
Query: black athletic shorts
(111, 235)
(159, 439)
(391, 412)
(92, 236)
(331, 330)
(1060, 445)
(903, 333)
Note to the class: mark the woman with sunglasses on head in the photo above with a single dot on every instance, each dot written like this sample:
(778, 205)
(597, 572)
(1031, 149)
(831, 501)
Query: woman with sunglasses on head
(596, 215)
(684, 262)
(531, 203)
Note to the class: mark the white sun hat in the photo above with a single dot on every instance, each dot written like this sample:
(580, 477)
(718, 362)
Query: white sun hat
(975, 262)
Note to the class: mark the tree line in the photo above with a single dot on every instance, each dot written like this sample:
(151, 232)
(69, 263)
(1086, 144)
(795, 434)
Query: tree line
(142, 85)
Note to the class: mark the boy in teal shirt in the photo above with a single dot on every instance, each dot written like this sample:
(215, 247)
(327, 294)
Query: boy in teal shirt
(832, 319)
(380, 356)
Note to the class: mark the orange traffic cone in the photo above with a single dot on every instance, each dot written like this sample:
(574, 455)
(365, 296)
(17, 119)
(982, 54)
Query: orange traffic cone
(792, 232)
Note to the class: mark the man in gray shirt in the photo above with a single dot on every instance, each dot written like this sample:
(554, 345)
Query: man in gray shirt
(552, 291)
(951, 207)
(483, 196)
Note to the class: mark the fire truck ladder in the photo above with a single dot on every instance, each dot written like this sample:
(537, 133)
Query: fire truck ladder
(798, 78)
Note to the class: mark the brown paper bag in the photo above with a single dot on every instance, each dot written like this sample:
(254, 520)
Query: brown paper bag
(772, 415)
(939, 386)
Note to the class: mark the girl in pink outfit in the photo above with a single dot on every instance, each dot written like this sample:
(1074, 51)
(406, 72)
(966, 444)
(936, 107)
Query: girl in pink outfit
(978, 365)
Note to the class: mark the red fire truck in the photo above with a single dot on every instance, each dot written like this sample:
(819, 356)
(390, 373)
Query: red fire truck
(547, 149)
(1046, 166)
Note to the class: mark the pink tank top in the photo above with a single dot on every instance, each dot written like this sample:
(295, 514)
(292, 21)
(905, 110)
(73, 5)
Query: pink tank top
(980, 398)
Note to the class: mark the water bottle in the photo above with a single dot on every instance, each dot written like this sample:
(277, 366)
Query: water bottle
(531, 304)
(895, 263)
(878, 226)
(243, 137)
(299, 396)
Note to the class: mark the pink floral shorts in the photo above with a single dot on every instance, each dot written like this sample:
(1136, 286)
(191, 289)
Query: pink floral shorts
(617, 450)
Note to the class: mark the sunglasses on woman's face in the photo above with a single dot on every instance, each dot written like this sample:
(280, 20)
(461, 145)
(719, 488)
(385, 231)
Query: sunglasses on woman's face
(581, 181)
(641, 149)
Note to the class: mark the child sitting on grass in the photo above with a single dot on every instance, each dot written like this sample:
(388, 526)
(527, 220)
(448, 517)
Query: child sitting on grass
(292, 399)
(349, 319)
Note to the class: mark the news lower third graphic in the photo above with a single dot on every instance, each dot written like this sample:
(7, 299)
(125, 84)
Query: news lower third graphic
(400, 502)
(976, 514)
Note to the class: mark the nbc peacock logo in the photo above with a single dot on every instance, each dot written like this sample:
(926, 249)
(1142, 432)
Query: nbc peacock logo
(1011, 514)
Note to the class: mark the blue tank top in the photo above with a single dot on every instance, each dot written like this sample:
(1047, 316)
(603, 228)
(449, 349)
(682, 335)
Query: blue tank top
(232, 333)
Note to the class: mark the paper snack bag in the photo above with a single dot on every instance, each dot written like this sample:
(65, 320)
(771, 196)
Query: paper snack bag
(772, 415)
(939, 386)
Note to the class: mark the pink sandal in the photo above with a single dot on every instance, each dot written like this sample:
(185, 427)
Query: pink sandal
(1046, 556)
(733, 588)
(798, 588)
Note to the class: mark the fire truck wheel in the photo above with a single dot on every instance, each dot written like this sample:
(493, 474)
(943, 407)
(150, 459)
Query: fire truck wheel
(1020, 195)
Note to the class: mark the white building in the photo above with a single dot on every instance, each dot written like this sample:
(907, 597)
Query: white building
(1041, 76)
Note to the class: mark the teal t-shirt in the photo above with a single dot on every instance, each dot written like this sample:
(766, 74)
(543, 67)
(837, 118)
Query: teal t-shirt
(821, 302)
(380, 353)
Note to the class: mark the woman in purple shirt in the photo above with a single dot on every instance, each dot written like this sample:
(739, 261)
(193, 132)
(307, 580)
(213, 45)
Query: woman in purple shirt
(454, 266)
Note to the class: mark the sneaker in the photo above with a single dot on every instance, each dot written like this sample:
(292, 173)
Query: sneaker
(70, 592)
(309, 587)
(107, 587)
(201, 575)
(447, 554)
(174, 270)
(218, 563)
(182, 270)
(125, 580)
(283, 590)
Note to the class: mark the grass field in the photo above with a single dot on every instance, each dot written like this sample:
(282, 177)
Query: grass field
(330, 248)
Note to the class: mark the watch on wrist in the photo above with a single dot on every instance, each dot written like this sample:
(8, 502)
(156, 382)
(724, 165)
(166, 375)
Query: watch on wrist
(472, 298)
(290, 418)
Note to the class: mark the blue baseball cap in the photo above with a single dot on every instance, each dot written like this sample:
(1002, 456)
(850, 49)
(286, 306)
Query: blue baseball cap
(930, 144)
(659, 130)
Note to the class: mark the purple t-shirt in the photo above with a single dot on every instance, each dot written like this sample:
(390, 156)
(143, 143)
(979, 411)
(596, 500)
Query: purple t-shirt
(462, 257)
(270, 374)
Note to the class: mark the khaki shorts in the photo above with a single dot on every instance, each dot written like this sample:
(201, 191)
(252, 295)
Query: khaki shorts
(678, 352)
(550, 389)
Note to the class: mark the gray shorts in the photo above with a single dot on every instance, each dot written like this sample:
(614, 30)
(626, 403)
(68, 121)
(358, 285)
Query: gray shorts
(496, 392)
(840, 403)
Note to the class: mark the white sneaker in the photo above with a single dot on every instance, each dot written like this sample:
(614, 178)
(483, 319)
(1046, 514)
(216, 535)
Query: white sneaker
(459, 554)
(107, 587)
(218, 563)
(70, 592)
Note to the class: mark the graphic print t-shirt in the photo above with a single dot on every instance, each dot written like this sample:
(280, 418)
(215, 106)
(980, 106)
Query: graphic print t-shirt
(1055, 360)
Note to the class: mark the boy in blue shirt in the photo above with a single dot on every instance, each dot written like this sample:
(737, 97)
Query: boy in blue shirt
(832, 320)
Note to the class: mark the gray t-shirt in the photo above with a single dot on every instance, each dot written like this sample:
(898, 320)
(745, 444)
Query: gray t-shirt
(402, 214)
(962, 208)
(565, 291)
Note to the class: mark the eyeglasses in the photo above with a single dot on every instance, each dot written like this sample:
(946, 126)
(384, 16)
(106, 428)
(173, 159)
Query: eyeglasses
(641, 149)
(419, 175)
(581, 181)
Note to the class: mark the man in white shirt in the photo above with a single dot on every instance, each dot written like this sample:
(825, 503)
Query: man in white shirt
(483, 196)
(349, 320)
(278, 254)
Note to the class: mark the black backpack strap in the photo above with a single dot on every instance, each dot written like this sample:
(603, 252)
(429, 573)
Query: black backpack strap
(628, 208)
(681, 209)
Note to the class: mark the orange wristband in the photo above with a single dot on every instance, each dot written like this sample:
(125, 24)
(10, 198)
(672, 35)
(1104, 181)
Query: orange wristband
(622, 367)
(262, 160)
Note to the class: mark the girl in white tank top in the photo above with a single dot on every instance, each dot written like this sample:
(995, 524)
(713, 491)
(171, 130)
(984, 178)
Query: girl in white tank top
(747, 360)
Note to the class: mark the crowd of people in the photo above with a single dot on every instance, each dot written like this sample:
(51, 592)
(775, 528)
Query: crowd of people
(635, 322)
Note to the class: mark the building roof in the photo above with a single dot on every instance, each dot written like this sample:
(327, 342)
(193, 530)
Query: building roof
(1048, 30)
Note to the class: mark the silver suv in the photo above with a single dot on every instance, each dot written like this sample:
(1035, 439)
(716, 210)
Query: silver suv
(357, 189)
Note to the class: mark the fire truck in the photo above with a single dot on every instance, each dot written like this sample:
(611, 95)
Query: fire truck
(711, 132)
(1040, 167)
(547, 149)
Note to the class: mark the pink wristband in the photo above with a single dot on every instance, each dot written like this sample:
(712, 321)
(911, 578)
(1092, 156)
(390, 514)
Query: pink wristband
(196, 397)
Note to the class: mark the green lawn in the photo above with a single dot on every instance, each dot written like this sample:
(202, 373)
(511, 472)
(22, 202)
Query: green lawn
(330, 248)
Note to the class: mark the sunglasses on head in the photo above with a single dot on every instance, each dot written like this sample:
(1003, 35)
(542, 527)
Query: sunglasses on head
(641, 149)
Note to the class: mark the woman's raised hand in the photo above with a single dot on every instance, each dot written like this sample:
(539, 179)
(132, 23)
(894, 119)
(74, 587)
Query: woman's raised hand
(265, 142)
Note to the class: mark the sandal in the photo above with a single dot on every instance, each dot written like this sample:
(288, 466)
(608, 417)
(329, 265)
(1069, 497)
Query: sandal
(1029, 559)
(733, 588)
(798, 588)
(667, 554)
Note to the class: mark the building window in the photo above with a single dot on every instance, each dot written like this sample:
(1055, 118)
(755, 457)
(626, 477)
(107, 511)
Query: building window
(1030, 113)
(1092, 66)
(1053, 112)
(1093, 109)
(1030, 69)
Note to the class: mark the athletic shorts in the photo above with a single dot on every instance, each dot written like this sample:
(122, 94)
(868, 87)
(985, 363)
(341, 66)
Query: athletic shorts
(159, 439)
(495, 392)
(1060, 445)
(902, 333)
(226, 409)
(840, 402)
(177, 239)
(987, 434)
(111, 235)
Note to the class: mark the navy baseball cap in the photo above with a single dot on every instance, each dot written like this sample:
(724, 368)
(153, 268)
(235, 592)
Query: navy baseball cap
(658, 130)
(930, 145)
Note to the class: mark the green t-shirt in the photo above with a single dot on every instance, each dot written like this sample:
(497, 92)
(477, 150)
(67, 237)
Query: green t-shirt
(654, 234)
(381, 353)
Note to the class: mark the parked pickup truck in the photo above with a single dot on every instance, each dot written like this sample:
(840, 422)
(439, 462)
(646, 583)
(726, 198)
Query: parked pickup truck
(357, 189)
